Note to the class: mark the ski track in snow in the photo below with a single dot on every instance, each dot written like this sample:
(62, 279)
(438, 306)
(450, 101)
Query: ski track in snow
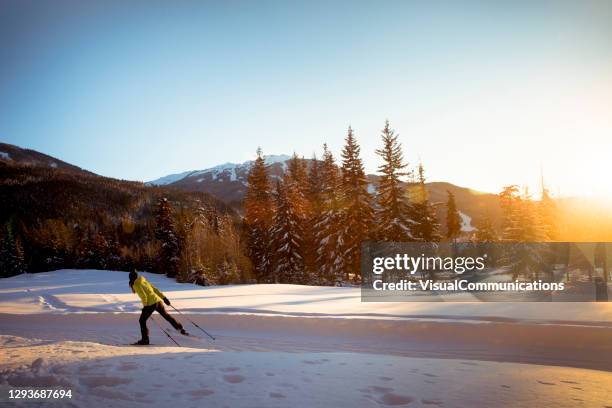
(285, 345)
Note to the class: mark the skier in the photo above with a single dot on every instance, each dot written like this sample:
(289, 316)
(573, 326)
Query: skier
(152, 301)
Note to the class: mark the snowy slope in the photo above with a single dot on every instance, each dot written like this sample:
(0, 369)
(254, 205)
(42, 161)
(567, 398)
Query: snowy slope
(227, 182)
(466, 222)
(17, 155)
(107, 291)
(300, 346)
(214, 172)
(170, 178)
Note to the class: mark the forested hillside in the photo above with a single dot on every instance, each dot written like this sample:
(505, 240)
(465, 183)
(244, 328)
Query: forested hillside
(55, 217)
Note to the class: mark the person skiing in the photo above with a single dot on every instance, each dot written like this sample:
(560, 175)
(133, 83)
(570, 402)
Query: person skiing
(152, 299)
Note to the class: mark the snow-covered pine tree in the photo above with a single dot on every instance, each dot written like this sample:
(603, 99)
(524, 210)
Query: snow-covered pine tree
(258, 214)
(453, 220)
(314, 199)
(357, 212)
(315, 186)
(424, 226)
(296, 184)
(330, 260)
(12, 260)
(286, 235)
(392, 216)
(165, 232)
(297, 173)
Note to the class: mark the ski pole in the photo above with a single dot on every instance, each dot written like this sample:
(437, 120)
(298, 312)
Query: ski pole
(164, 330)
(192, 322)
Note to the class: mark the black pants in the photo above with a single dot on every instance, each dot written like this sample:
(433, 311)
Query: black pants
(147, 311)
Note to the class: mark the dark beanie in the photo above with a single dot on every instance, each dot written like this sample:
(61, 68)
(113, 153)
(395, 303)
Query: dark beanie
(133, 276)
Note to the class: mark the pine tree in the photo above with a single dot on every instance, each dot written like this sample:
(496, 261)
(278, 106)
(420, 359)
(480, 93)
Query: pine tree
(510, 206)
(12, 260)
(314, 200)
(100, 250)
(530, 220)
(453, 220)
(90, 251)
(548, 213)
(521, 221)
(522, 226)
(18, 257)
(53, 252)
(315, 186)
(424, 225)
(330, 260)
(259, 211)
(297, 174)
(392, 218)
(286, 235)
(296, 188)
(227, 272)
(485, 232)
(165, 232)
(113, 260)
(357, 213)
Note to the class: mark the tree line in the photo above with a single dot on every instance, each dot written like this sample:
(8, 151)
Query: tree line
(308, 226)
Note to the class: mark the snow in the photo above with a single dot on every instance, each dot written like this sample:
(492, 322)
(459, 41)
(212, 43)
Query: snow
(93, 291)
(219, 169)
(302, 346)
(102, 376)
(53, 165)
(169, 179)
(276, 158)
(466, 222)
(5, 156)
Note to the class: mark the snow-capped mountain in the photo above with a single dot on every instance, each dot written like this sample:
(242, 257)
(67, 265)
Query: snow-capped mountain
(226, 181)
(220, 170)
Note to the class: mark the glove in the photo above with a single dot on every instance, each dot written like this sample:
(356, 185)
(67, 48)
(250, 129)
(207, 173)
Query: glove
(166, 301)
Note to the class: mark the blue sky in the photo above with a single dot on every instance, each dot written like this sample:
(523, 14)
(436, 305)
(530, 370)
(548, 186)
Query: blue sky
(482, 92)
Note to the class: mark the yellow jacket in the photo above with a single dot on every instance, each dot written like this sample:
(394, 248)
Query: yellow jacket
(148, 293)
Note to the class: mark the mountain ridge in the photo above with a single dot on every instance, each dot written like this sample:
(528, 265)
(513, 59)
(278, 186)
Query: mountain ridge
(173, 178)
(584, 219)
(227, 182)
(10, 153)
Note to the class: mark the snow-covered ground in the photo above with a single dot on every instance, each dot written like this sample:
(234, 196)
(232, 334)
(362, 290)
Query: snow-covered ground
(288, 345)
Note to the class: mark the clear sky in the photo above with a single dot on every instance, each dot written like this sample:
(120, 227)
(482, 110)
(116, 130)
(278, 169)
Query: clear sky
(484, 92)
